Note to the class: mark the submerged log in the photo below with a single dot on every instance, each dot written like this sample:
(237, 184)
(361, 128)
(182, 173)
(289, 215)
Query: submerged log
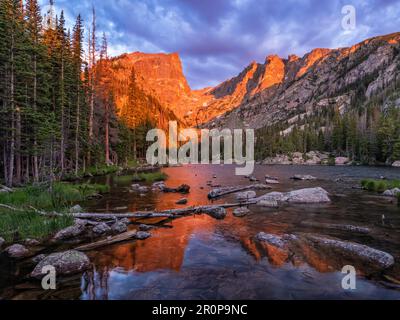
(219, 192)
(112, 240)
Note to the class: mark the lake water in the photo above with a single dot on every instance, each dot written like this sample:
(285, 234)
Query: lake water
(198, 257)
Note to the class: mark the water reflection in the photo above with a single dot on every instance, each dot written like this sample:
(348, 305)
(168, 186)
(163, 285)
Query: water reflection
(199, 257)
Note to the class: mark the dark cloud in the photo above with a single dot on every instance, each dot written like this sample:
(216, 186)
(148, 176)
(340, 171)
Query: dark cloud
(216, 39)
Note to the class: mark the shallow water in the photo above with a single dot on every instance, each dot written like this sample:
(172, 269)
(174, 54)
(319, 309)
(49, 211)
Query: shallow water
(198, 257)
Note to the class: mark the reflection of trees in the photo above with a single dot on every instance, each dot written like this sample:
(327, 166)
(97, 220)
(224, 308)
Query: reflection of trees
(95, 284)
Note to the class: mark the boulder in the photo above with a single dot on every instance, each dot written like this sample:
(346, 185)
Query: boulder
(17, 251)
(271, 181)
(76, 209)
(280, 242)
(370, 257)
(241, 212)
(396, 164)
(65, 263)
(101, 228)
(392, 193)
(158, 186)
(119, 227)
(246, 195)
(341, 161)
(142, 235)
(303, 177)
(71, 232)
(182, 201)
(218, 213)
(38, 258)
(184, 188)
(310, 195)
(145, 227)
(143, 189)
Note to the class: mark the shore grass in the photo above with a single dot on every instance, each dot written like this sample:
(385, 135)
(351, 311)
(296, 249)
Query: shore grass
(379, 185)
(150, 177)
(24, 222)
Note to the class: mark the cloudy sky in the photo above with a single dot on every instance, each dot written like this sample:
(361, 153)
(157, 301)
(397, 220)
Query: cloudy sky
(216, 39)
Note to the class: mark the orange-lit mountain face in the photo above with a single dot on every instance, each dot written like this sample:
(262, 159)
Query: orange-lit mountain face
(154, 86)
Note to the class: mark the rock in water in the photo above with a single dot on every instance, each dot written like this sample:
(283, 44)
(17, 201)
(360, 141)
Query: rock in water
(341, 161)
(17, 251)
(71, 232)
(101, 228)
(311, 195)
(375, 259)
(302, 196)
(303, 177)
(246, 195)
(280, 242)
(218, 213)
(119, 227)
(343, 227)
(65, 263)
(392, 193)
(268, 203)
(142, 235)
(241, 212)
(182, 201)
(396, 164)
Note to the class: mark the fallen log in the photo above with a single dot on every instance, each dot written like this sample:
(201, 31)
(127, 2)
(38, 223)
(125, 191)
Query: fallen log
(10, 208)
(109, 241)
(219, 192)
(172, 213)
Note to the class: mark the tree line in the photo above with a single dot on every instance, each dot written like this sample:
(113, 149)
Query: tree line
(57, 114)
(368, 133)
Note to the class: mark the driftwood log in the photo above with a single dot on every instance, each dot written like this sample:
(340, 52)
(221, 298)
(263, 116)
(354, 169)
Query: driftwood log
(109, 241)
(172, 213)
(219, 192)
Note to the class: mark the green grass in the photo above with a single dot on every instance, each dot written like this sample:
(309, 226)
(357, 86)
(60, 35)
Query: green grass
(15, 226)
(59, 197)
(379, 185)
(150, 177)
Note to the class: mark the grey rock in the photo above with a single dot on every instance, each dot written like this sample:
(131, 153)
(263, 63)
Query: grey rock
(310, 195)
(218, 213)
(280, 242)
(373, 257)
(101, 228)
(341, 161)
(119, 227)
(246, 195)
(71, 232)
(142, 235)
(17, 251)
(396, 164)
(65, 263)
(76, 209)
(31, 242)
(38, 258)
(145, 227)
(392, 193)
(241, 212)
(270, 181)
(268, 203)
(303, 177)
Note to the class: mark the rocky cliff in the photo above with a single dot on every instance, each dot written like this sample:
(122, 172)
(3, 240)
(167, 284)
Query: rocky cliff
(263, 93)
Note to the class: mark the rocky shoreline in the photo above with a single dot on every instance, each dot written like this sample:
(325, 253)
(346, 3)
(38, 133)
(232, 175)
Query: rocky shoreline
(313, 158)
